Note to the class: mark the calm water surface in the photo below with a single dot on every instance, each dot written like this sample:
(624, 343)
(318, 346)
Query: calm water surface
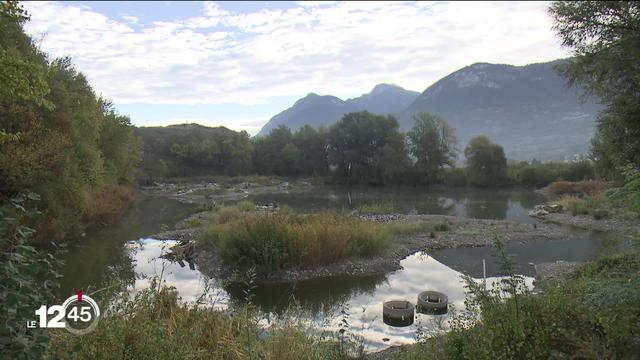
(125, 252)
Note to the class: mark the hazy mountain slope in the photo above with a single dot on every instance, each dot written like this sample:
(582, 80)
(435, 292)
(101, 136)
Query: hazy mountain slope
(385, 99)
(319, 110)
(527, 109)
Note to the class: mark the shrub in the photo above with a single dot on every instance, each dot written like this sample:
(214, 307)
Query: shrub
(580, 188)
(245, 205)
(537, 175)
(227, 214)
(108, 205)
(28, 278)
(456, 177)
(594, 314)
(276, 241)
(628, 195)
(600, 214)
(574, 205)
(441, 227)
(577, 171)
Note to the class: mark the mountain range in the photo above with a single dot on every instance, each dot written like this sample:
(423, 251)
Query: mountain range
(529, 110)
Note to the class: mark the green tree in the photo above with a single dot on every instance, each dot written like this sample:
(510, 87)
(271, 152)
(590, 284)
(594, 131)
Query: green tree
(356, 144)
(55, 137)
(433, 144)
(268, 152)
(121, 149)
(605, 39)
(486, 162)
(312, 144)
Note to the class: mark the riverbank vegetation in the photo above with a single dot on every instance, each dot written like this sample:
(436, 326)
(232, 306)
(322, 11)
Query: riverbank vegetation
(274, 241)
(593, 313)
(154, 325)
(57, 137)
(382, 155)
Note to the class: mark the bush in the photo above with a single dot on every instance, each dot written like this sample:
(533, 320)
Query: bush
(441, 227)
(276, 241)
(578, 171)
(108, 205)
(28, 278)
(594, 314)
(228, 214)
(574, 205)
(245, 205)
(600, 214)
(628, 196)
(580, 188)
(456, 177)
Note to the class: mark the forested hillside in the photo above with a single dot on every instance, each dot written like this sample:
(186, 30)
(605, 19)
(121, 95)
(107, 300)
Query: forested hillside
(58, 139)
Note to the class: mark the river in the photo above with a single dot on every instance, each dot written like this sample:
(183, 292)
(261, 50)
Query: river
(124, 252)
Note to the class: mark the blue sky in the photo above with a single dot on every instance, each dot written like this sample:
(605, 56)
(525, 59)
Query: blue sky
(238, 64)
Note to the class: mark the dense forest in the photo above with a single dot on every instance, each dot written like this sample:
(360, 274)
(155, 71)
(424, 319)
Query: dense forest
(58, 139)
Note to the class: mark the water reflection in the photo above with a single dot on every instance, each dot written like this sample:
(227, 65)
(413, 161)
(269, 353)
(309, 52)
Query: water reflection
(329, 301)
(476, 203)
(95, 260)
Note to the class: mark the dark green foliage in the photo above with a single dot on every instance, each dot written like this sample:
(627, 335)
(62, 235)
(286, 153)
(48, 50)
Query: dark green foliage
(605, 39)
(192, 149)
(367, 148)
(539, 174)
(56, 137)
(28, 278)
(433, 144)
(629, 194)
(486, 162)
(291, 154)
(455, 177)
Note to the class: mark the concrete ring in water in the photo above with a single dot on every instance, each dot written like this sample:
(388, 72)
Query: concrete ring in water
(398, 313)
(432, 302)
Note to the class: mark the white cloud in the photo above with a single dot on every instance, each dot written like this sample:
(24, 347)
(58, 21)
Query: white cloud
(332, 48)
(130, 18)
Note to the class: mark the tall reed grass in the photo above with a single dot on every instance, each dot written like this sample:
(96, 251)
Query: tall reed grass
(277, 241)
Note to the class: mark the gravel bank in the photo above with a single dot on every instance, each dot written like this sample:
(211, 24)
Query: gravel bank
(588, 222)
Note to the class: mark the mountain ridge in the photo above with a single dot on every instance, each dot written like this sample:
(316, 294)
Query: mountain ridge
(529, 109)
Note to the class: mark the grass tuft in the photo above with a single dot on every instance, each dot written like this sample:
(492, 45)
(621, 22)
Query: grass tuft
(276, 241)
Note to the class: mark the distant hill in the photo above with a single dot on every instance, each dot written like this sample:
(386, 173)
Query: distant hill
(320, 110)
(527, 109)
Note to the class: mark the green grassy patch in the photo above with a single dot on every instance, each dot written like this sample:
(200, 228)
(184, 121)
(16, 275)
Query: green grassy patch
(411, 228)
(277, 241)
(245, 206)
(376, 208)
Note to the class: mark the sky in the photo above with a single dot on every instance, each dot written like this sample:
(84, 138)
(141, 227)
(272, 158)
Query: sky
(237, 64)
